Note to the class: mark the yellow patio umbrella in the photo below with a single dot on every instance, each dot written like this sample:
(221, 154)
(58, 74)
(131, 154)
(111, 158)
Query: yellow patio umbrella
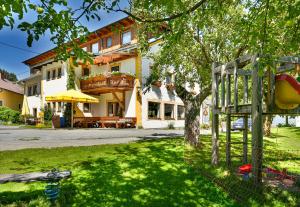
(25, 108)
(71, 96)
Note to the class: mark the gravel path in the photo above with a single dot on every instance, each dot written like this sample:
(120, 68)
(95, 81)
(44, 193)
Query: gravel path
(14, 138)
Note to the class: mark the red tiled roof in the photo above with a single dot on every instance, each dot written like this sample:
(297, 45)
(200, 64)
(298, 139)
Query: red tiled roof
(10, 86)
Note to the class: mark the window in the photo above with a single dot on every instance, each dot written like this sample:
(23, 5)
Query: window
(19, 105)
(95, 48)
(86, 107)
(53, 74)
(59, 107)
(109, 42)
(180, 112)
(169, 79)
(115, 68)
(126, 37)
(54, 106)
(48, 75)
(86, 71)
(114, 109)
(1, 103)
(29, 90)
(59, 73)
(102, 43)
(169, 111)
(34, 90)
(48, 105)
(153, 110)
(34, 112)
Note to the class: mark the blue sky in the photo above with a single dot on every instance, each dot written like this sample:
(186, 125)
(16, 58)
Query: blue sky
(11, 58)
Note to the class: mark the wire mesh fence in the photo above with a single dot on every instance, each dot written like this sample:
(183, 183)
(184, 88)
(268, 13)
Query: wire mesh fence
(280, 173)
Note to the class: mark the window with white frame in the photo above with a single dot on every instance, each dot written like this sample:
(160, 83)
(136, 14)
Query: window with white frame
(86, 107)
(126, 37)
(53, 74)
(153, 110)
(59, 73)
(109, 42)
(29, 91)
(169, 111)
(180, 112)
(34, 90)
(115, 68)
(95, 48)
(48, 75)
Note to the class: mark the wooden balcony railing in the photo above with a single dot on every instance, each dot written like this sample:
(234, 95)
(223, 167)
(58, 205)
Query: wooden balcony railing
(106, 84)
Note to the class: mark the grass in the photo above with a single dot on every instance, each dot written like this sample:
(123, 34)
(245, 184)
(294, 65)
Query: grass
(149, 173)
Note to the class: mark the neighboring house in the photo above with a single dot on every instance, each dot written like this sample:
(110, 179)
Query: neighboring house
(11, 94)
(117, 78)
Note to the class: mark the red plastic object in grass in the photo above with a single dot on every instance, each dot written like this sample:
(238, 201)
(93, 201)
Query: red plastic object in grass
(247, 168)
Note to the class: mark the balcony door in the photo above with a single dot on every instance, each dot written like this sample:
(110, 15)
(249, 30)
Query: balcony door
(114, 109)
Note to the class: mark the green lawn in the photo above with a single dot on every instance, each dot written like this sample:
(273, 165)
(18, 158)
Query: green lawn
(149, 173)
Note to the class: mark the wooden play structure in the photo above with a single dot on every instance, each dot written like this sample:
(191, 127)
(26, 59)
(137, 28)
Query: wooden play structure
(272, 92)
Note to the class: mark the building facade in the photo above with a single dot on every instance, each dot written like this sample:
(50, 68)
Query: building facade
(11, 94)
(116, 77)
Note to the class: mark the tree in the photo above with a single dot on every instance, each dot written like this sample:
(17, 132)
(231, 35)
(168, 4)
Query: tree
(7, 75)
(194, 33)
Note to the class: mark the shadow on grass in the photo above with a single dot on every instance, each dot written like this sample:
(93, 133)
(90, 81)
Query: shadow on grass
(157, 173)
(154, 175)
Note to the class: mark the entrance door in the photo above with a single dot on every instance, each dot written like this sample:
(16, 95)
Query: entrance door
(34, 112)
(114, 109)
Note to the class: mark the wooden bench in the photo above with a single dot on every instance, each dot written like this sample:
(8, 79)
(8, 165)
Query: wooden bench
(105, 122)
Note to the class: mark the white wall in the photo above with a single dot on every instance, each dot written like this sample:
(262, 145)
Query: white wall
(156, 94)
(34, 101)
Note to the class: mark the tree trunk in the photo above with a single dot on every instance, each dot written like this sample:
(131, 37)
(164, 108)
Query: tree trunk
(192, 122)
(286, 121)
(267, 125)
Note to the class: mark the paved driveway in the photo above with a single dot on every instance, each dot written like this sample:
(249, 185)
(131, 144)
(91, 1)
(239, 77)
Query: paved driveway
(13, 138)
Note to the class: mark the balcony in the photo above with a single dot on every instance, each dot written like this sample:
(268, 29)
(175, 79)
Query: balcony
(107, 83)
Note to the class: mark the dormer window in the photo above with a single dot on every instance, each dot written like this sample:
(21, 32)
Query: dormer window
(95, 48)
(109, 42)
(126, 37)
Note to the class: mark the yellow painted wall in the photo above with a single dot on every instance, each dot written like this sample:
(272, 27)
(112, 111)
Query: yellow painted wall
(11, 99)
(138, 84)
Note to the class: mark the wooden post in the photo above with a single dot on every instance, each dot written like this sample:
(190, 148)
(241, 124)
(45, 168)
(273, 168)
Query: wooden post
(245, 100)
(245, 140)
(228, 139)
(215, 118)
(257, 128)
(223, 91)
(228, 90)
(235, 75)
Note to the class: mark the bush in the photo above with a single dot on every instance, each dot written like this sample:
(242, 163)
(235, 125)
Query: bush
(48, 113)
(9, 115)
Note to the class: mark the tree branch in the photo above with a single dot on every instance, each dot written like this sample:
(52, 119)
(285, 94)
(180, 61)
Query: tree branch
(174, 16)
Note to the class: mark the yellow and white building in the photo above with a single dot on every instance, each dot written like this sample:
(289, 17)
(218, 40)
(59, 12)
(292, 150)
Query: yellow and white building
(116, 78)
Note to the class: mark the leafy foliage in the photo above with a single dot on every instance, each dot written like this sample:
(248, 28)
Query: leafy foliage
(9, 76)
(9, 115)
(48, 113)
